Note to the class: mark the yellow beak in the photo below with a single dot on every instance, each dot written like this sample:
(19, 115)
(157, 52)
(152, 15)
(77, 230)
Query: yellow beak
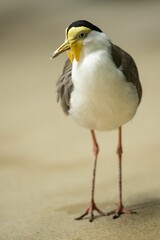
(74, 46)
(64, 47)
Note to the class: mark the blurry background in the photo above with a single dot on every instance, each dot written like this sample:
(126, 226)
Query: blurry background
(45, 158)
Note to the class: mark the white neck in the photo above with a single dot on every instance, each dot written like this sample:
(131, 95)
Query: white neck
(94, 42)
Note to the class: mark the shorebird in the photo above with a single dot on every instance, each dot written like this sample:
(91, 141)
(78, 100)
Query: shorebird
(100, 89)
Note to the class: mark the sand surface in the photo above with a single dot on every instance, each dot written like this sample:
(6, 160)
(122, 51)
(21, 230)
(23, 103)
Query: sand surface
(45, 158)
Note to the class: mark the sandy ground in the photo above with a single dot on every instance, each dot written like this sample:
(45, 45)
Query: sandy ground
(45, 158)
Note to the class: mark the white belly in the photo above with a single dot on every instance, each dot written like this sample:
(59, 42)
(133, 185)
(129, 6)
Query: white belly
(101, 99)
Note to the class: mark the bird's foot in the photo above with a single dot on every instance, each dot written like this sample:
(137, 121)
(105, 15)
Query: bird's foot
(119, 211)
(89, 211)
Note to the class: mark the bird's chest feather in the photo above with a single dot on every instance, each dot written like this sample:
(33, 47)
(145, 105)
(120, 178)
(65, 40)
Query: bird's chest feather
(101, 99)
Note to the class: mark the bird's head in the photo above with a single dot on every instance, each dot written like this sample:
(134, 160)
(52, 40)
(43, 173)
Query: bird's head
(75, 35)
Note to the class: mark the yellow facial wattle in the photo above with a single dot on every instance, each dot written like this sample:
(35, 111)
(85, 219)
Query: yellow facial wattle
(70, 56)
(76, 48)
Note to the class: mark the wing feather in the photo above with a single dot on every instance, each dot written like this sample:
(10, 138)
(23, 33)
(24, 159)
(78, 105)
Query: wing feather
(65, 87)
(126, 64)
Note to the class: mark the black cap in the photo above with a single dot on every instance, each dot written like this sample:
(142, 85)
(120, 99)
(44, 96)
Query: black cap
(83, 23)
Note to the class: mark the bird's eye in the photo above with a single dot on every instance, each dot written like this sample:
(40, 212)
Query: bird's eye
(82, 35)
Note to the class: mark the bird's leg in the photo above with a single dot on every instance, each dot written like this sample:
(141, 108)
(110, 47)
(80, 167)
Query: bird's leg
(92, 206)
(120, 208)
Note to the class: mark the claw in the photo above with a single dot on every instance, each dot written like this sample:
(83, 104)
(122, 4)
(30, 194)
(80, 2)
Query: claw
(119, 211)
(89, 211)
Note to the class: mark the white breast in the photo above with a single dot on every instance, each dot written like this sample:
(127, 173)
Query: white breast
(101, 98)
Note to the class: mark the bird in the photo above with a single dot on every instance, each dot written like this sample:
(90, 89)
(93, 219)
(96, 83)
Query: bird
(99, 88)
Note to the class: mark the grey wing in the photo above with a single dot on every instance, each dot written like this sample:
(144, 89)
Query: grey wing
(127, 65)
(65, 87)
